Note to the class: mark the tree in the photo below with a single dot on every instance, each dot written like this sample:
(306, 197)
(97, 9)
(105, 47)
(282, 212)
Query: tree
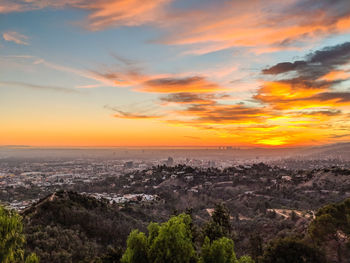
(245, 259)
(290, 250)
(221, 217)
(213, 231)
(153, 231)
(256, 247)
(32, 258)
(136, 251)
(11, 238)
(219, 225)
(219, 251)
(169, 242)
(173, 244)
(332, 224)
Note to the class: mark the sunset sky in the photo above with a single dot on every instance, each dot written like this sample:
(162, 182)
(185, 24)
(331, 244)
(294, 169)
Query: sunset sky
(174, 72)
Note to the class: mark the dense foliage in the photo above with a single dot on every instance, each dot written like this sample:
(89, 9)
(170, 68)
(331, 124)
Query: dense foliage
(69, 227)
(219, 251)
(169, 242)
(172, 242)
(289, 250)
(331, 229)
(12, 238)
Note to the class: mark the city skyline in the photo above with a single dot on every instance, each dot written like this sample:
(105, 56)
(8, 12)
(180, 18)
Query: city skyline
(174, 73)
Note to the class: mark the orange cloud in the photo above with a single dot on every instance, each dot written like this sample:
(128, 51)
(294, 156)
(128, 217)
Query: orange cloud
(315, 84)
(281, 95)
(224, 114)
(287, 111)
(180, 85)
(291, 111)
(264, 26)
(157, 83)
(336, 75)
(103, 13)
(107, 13)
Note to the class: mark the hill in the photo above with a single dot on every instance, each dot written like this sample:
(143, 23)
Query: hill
(69, 227)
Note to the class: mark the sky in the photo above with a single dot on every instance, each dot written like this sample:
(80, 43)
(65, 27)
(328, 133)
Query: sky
(174, 72)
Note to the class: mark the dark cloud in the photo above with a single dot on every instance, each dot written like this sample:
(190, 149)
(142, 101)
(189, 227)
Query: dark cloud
(173, 81)
(284, 67)
(331, 56)
(315, 81)
(232, 113)
(316, 64)
(302, 83)
(328, 112)
(338, 96)
(193, 98)
(221, 113)
(336, 136)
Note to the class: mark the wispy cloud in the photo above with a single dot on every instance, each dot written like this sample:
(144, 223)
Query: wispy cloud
(193, 98)
(263, 26)
(102, 13)
(38, 86)
(15, 37)
(180, 85)
(99, 79)
(118, 113)
(106, 14)
(158, 83)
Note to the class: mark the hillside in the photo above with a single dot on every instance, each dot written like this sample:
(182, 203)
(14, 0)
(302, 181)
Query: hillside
(69, 227)
(262, 200)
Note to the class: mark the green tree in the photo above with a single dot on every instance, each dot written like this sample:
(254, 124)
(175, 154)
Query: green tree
(169, 242)
(219, 251)
(332, 223)
(221, 216)
(219, 225)
(245, 259)
(213, 231)
(173, 244)
(153, 231)
(11, 236)
(289, 250)
(32, 258)
(137, 248)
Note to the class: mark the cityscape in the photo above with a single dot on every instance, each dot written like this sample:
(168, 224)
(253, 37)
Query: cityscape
(174, 131)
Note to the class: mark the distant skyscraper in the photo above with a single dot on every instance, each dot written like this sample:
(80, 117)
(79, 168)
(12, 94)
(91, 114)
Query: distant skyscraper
(129, 164)
(170, 161)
